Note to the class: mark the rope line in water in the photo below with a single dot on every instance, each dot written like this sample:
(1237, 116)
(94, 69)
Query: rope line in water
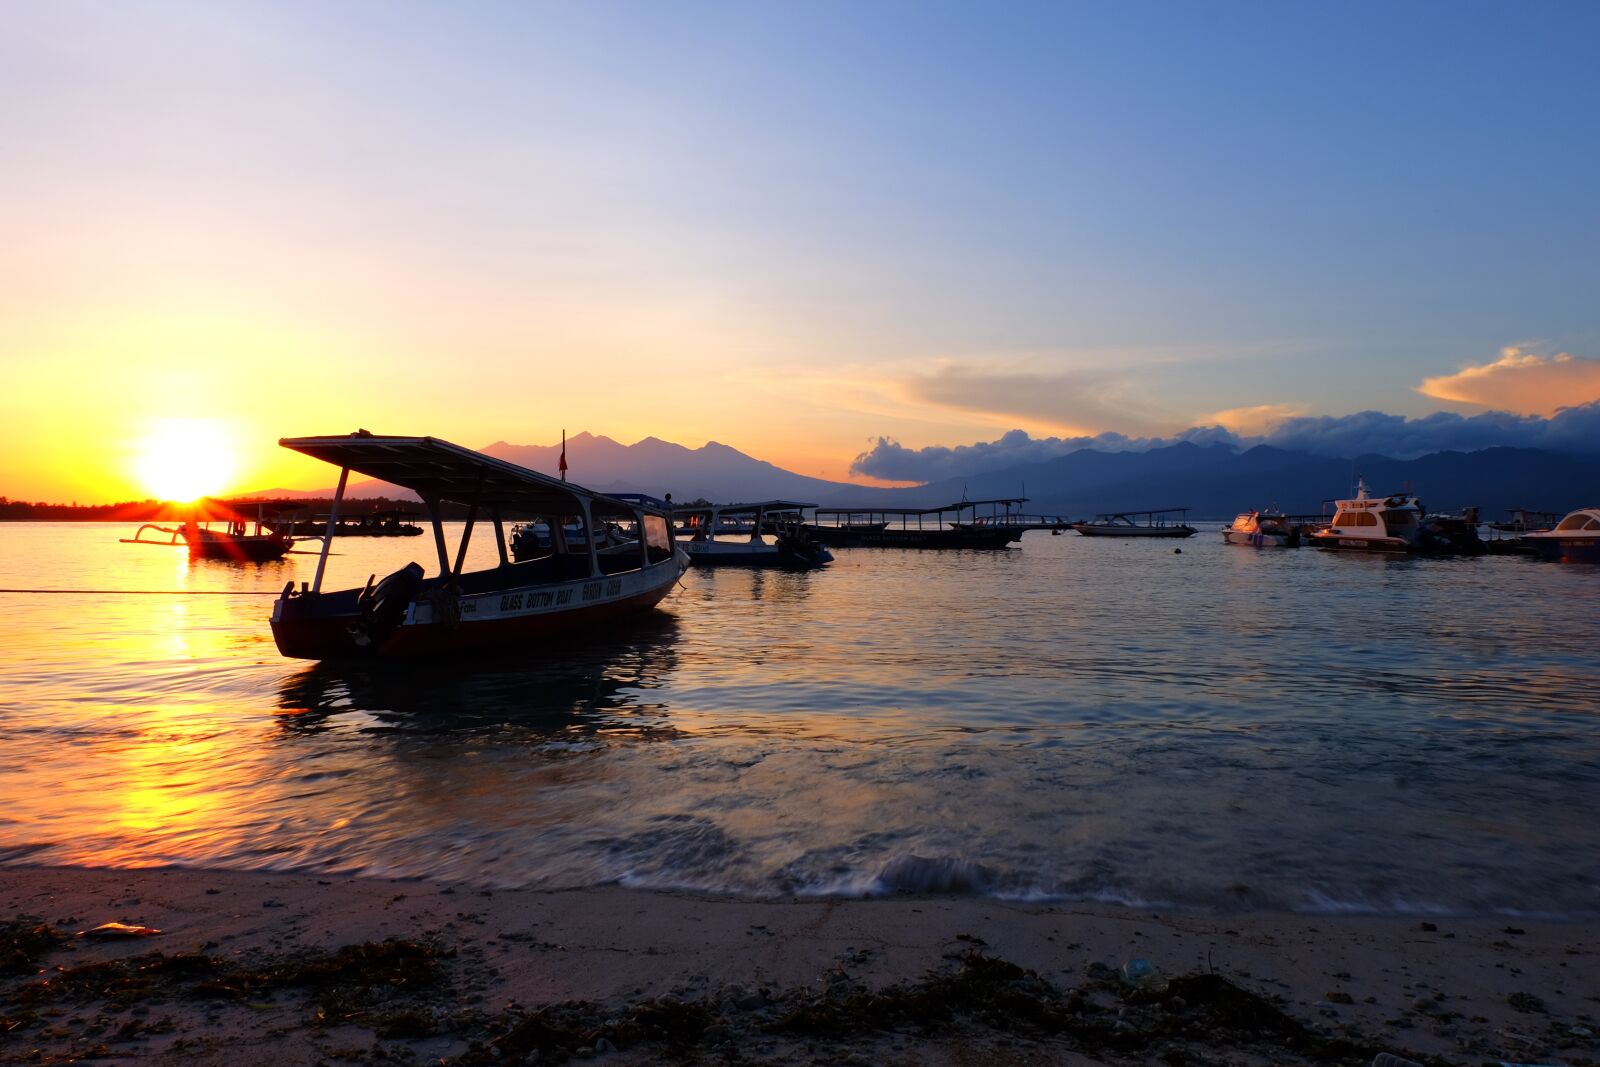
(149, 592)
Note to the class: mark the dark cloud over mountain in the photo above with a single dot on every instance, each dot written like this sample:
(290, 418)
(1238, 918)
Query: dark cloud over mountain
(1571, 430)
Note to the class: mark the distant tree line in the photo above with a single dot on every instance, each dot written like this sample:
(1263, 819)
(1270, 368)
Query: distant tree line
(167, 511)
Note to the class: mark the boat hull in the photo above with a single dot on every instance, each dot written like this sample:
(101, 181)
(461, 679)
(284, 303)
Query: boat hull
(240, 549)
(1566, 549)
(324, 628)
(963, 537)
(1346, 543)
(843, 536)
(1090, 529)
(1260, 540)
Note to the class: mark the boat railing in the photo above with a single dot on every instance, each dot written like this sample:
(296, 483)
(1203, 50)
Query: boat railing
(172, 532)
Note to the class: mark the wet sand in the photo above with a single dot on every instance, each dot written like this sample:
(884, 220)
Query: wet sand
(538, 976)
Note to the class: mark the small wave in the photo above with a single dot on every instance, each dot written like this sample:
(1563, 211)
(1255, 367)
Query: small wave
(941, 875)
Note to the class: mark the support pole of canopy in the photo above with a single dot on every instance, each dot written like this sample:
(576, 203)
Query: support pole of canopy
(327, 533)
(588, 529)
(466, 532)
(438, 534)
(499, 535)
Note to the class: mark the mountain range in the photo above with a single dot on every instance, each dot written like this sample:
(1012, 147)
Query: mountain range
(1214, 481)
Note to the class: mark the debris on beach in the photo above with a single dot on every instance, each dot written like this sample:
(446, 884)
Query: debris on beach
(114, 930)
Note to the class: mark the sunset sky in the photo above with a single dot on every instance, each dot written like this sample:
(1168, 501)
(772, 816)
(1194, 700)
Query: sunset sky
(793, 228)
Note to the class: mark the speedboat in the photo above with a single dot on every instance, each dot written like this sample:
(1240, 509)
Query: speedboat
(1262, 529)
(1575, 539)
(1374, 524)
(790, 547)
(410, 613)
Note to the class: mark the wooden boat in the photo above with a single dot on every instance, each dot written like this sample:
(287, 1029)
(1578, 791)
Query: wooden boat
(977, 524)
(1128, 524)
(843, 535)
(1372, 524)
(1262, 529)
(1575, 539)
(790, 547)
(235, 540)
(409, 614)
(377, 524)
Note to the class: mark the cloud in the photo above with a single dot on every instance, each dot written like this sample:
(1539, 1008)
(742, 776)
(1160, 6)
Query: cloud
(1522, 382)
(1575, 429)
(1079, 398)
(891, 461)
(1254, 420)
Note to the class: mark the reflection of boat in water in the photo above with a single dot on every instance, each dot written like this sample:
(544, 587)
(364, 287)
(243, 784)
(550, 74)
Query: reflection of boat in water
(1575, 539)
(1262, 529)
(981, 524)
(602, 681)
(235, 540)
(407, 614)
(1364, 523)
(1128, 524)
(790, 548)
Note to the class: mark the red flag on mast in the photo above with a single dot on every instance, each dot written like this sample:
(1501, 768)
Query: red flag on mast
(563, 464)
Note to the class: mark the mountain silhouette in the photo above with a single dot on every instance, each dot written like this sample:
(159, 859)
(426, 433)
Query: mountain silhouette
(1214, 481)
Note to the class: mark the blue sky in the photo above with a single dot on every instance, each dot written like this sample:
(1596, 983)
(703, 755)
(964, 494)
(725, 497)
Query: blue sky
(933, 221)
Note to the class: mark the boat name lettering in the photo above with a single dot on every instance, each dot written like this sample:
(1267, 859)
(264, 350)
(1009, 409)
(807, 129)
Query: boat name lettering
(563, 596)
(511, 602)
(613, 587)
(592, 591)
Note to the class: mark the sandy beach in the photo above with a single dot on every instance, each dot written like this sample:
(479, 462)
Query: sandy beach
(255, 967)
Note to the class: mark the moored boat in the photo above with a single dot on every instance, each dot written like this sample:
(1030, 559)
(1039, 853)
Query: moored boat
(1373, 524)
(408, 613)
(1262, 529)
(976, 524)
(790, 548)
(1128, 524)
(1575, 539)
(235, 539)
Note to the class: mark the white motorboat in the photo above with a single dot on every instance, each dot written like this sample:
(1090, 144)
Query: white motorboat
(1575, 539)
(1263, 529)
(1374, 524)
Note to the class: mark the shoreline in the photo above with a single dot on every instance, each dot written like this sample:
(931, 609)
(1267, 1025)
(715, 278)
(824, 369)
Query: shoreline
(784, 981)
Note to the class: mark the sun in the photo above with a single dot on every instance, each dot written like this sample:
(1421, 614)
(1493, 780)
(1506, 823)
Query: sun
(185, 459)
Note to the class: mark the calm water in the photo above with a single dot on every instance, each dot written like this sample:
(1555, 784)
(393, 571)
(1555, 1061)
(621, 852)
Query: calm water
(1074, 719)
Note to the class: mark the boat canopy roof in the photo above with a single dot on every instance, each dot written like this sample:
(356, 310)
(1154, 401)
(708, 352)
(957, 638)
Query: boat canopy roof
(748, 508)
(439, 470)
(1129, 516)
(962, 505)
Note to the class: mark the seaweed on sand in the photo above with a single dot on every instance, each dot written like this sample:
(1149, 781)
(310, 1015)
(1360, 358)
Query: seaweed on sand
(347, 975)
(24, 941)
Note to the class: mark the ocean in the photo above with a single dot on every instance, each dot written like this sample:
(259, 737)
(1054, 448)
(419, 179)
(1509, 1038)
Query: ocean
(1073, 719)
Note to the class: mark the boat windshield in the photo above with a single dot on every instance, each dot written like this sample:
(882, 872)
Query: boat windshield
(1578, 521)
(657, 538)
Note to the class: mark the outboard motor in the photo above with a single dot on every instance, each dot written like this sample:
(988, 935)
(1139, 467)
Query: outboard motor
(383, 608)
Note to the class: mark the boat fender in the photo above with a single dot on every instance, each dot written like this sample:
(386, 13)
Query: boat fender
(384, 608)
